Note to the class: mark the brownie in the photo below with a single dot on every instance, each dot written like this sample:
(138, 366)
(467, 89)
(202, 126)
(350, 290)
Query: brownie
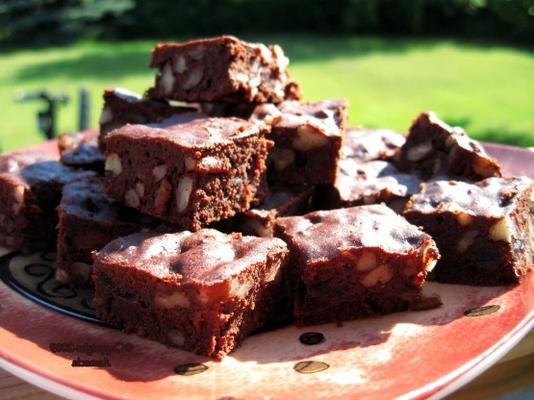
(354, 263)
(240, 110)
(30, 190)
(203, 292)
(80, 150)
(187, 170)
(370, 182)
(434, 148)
(484, 230)
(122, 106)
(222, 69)
(367, 144)
(280, 202)
(307, 140)
(88, 220)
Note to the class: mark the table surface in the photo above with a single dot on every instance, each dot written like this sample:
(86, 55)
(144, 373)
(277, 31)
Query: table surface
(513, 372)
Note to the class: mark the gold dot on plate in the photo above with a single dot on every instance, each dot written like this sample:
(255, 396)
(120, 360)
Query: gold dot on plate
(480, 311)
(310, 367)
(190, 369)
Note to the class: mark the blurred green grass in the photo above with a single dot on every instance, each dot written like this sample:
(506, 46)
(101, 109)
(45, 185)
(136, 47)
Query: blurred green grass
(488, 89)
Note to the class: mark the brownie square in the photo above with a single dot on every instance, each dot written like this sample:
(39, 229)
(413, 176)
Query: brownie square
(307, 140)
(80, 150)
(222, 69)
(367, 144)
(484, 230)
(354, 262)
(122, 106)
(187, 170)
(30, 190)
(280, 202)
(88, 220)
(435, 149)
(372, 182)
(203, 292)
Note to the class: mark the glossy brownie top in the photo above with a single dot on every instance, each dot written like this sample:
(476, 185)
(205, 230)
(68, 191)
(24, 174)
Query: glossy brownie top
(29, 168)
(323, 235)
(267, 54)
(327, 116)
(491, 197)
(207, 256)
(357, 179)
(367, 144)
(190, 130)
(80, 148)
(85, 199)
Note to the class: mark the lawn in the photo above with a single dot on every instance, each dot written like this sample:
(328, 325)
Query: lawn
(487, 89)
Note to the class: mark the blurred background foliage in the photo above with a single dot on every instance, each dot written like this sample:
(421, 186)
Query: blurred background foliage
(60, 21)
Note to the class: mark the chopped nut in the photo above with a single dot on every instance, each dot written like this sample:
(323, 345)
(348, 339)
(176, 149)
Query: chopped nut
(166, 80)
(193, 79)
(162, 197)
(241, 77)
(106, 116)
(418, 152)
(185, 187)
(171, 300)
(62, 276)
(484, 168)
(464, 219)
(259, 229)
(140, 189)
(239, 289)
(282, 158)
(113, 164)
(366, 262)
(180, 65)
(501, 231)
(466, 241)
(211, 164)
(380, 275)
(131, 199)
(159, 172)
(19, 194)
(309, 138)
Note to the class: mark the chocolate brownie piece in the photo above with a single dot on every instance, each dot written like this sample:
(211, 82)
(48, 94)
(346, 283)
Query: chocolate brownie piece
(88, 220)
(80, 150)
(434, 148)
(30, 190)
(370, 182)
(122, 106)
(282, 201)
(307, 140)
(366, 144)
(188, 172)
(484, 230)
(203, 292)
(222, 69)
(354, 262)
(240, 110)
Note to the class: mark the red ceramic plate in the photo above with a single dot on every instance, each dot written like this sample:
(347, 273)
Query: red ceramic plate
(49, 337)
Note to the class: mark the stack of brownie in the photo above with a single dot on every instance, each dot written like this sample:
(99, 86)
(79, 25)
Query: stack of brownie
(218, 203)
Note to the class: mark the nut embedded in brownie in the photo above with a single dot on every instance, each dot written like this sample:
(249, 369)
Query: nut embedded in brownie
(370, 182)
(30, 190)
(124, 107)
(203, 292)
(307, 140)
(222, 69)
(367, 144)
(187, 170)
(89, 220)
(80, 150)
(485, 230)
(354, 262)
(435, 149)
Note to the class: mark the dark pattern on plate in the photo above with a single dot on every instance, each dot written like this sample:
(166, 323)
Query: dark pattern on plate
(481, 311)
(190, 369)
(33, 277)
(310, 367)
(311, 338)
